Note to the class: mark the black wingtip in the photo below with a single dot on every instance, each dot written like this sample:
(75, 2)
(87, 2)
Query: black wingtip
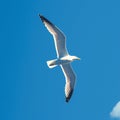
(44, 19)
(39, 14)
(68, 98)
(41, 17)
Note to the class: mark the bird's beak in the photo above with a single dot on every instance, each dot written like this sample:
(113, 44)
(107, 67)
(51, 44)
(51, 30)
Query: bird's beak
(78, 58)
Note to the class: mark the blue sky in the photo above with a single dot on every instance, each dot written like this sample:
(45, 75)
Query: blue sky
(29, 90)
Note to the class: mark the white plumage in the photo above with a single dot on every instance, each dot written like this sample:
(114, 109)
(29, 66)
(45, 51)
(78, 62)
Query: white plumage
(63, 58)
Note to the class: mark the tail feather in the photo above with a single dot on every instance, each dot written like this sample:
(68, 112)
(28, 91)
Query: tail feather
(51, 63)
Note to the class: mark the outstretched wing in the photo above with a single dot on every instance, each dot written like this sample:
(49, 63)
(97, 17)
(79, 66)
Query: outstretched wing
(59, 37)
(70, 80)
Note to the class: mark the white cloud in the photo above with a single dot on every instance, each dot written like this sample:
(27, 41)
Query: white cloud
(116, 111)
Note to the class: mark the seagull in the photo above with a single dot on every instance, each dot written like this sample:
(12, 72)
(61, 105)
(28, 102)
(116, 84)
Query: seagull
(63, 58)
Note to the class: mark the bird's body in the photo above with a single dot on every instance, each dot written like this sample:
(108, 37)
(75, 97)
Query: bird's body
(63, 57)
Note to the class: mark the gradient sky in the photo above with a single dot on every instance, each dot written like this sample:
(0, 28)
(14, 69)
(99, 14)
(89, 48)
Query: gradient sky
(29, 90)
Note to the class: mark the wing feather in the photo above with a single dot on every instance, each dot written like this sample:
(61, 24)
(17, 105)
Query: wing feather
(70, 80)
(59, 37)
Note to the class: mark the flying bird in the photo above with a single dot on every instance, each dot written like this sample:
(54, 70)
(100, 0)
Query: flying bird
(63, 58)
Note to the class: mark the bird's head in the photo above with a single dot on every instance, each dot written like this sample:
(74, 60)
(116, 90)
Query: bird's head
(75, 58)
